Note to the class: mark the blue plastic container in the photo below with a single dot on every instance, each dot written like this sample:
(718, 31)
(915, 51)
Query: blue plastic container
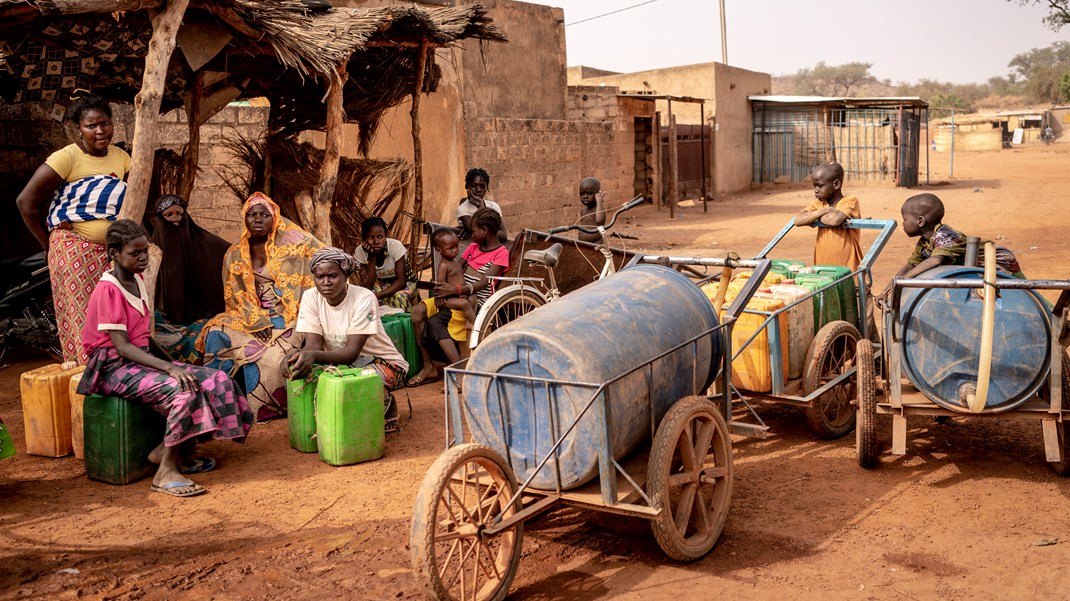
(592, 335)
(941, 332)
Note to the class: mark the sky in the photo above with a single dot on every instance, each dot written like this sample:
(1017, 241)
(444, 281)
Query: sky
(959, 41)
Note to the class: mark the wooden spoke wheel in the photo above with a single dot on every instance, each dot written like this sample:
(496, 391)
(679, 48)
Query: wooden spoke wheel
(1062, 467)
(504, 306)
(466, 491)
(866, 400)
(690, 478)
(832, 415)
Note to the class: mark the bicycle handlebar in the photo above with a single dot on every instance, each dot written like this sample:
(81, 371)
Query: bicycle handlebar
(631, 204)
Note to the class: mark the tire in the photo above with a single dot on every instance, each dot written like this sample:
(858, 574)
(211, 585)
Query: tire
(866, 399)
(461, 494)
(702, 491)
(502, 307)
(1062, 467)
(831, 353)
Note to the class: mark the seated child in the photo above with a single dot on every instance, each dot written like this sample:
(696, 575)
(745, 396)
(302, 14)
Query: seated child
(124, 361)
(835, 245)
(939, 244)
(341, 325)
(450, 272)
(592, 209)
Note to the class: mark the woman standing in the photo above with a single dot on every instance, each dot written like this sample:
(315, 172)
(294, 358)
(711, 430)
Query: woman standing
(383, 267)
(68, 204)
(266, 273)
(189, 287)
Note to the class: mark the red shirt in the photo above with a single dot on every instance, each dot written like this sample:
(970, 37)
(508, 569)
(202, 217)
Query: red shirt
(111, 307)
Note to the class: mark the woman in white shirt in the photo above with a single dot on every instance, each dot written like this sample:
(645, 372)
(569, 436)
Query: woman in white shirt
(383, 267)
(341, 325)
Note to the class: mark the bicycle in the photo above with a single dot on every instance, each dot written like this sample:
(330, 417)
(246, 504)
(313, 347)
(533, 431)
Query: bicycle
(525, 294)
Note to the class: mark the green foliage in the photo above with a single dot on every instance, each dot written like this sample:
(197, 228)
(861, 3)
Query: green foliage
(1040, 71)
(943, 95)
(832, 80)
(1058, 12)
(1064, 86)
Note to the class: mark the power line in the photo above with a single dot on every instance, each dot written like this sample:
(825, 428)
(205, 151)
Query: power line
(619, 10)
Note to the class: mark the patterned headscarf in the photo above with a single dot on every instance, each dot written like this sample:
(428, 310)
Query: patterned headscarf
(288, 250)
(167, 201)
(335, 255)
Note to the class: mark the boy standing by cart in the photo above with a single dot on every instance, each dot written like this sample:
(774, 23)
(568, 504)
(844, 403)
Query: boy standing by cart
(836, 245)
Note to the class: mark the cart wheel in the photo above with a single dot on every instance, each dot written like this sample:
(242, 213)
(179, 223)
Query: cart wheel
(866, 397)
(831, 353)
(690, 478)
(1062, 467)
(462, 494)
(504, 306)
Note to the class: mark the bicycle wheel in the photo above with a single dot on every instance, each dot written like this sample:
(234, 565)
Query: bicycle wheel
(502, 307)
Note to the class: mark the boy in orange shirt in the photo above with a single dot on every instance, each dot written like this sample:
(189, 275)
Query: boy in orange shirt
(835, 245)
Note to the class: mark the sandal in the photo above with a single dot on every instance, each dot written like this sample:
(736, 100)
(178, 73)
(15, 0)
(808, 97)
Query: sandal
(197, 465)
(174, 489)
(418, 380)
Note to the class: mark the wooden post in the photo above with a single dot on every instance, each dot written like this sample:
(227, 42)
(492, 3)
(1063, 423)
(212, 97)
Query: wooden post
(165, 26)
(659, 195)
(193, 151)
(702, 147)
(332, 156)
(417, 155)
(674, 165)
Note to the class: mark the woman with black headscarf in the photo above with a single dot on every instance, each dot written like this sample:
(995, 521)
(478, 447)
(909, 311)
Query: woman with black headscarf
(189, 287)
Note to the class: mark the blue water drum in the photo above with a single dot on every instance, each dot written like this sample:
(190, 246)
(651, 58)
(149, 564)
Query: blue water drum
(941, 333)
(593, 335)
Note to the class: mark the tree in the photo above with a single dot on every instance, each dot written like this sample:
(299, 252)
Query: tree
(832, 80)
(1040, 71)
(1064, 86)
(1058, 12)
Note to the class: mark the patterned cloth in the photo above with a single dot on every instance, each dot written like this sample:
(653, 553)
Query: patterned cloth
(178, 340)
(951, 244)
(94, 197)
(403, 299)
(332, 254)
(251, 337)
(217, 409)
(75, 265)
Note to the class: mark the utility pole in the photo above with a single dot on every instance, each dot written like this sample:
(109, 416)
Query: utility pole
(724, 40)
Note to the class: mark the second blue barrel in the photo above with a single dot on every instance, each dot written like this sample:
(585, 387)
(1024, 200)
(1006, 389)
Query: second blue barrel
(941, 333)
(593, 335)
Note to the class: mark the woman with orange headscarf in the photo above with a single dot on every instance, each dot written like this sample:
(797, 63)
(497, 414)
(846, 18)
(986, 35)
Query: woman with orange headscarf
(264, 275)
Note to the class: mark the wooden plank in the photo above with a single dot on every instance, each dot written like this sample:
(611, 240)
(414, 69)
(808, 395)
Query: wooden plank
(1051, 440)
(165, 26)
(674, 165)
(899, 434)
(658, 197)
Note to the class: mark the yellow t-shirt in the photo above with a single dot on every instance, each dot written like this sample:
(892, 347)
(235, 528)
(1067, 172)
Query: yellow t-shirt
(838, 245)
(72, 164)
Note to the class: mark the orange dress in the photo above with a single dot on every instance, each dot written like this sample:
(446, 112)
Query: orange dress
(838, 245)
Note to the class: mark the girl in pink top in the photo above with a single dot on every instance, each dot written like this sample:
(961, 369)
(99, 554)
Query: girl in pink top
(124, 361)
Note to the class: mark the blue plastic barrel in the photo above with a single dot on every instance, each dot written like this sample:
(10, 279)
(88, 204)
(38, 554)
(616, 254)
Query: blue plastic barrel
(941, 333)
(593, 335)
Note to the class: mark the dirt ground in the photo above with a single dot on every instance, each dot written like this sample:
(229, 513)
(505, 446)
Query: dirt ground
(970, 512)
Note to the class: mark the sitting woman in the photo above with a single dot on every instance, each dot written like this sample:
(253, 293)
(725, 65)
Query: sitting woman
(485, 258)
(266, 272)
(68, 204)
(341, 326)
(124, 361)
(383, 267)
(189, 287)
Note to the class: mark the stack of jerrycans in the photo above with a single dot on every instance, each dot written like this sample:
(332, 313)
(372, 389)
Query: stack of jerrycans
(339, 412)
(846, 290)
(398, 327)
(752, 369)
(46, 409)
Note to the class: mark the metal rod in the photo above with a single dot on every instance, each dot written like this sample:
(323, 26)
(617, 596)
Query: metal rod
(1012, 284)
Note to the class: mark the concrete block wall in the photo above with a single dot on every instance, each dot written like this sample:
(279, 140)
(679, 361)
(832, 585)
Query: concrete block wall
(536, 166)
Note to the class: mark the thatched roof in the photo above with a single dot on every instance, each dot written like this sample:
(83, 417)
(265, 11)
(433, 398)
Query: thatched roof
(281, 49)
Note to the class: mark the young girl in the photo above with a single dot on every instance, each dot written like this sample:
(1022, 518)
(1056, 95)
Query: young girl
(341, 325)
(125, 361)
(383, 266)
(485, 258)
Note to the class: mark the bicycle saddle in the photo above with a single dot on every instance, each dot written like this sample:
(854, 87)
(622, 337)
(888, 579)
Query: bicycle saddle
(547, 257)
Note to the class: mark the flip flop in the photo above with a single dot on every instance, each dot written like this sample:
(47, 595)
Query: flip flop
(172, 488)
(417, 380)
(197, 465)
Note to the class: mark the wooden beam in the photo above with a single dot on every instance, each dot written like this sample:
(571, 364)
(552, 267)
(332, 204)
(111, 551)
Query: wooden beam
(74, 7)
(193, 150)
(332, 156)
(674, 165)
(165, 26)
(417, 154)
(231, 18)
